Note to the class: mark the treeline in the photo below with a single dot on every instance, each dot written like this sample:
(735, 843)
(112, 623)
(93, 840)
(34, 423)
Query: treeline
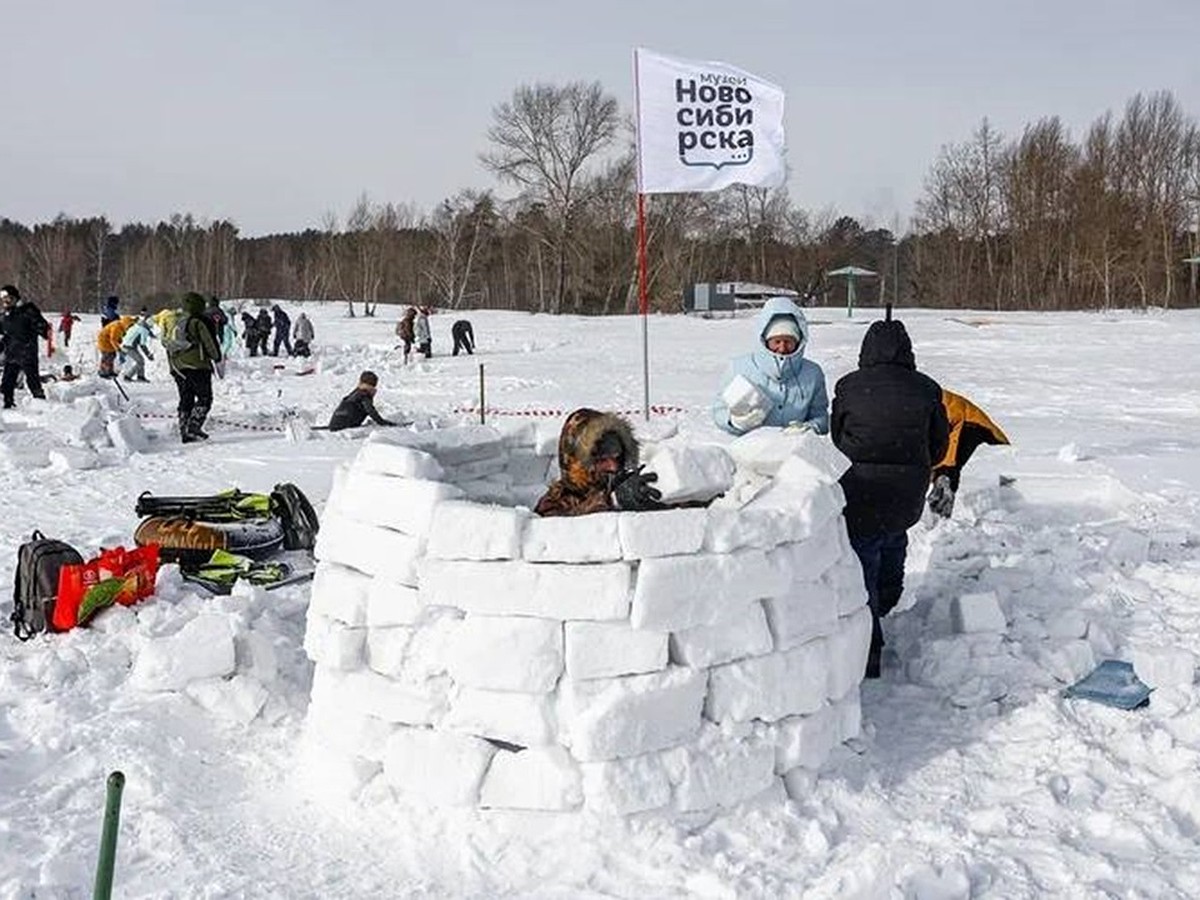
(1035, 221)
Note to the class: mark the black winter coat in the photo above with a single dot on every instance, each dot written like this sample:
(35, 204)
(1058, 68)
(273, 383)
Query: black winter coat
(22, 325)
(888, 419)
(355, 408)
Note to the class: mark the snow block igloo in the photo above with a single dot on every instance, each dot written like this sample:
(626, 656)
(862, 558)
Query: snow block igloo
(469, 653)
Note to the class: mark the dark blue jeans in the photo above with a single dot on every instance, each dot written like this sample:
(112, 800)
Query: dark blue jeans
(882, 557)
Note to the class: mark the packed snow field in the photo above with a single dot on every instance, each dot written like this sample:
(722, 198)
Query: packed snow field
(973, 775)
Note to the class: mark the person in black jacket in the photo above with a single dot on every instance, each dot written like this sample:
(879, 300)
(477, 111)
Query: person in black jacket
(464, 337)
(22, 325)
(888, 419)
(359, 405)
(262, 330)
(283, 330)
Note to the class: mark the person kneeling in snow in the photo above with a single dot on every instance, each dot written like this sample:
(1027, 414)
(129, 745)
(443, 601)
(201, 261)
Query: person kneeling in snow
(359, 405)
(599, 471)
(774, 384)
(970, 427)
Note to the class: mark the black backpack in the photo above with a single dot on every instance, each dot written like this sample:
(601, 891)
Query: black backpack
(300, 522)
(35, 583)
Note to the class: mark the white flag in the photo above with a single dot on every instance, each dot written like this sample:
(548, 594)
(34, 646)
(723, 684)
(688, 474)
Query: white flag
(702, 126)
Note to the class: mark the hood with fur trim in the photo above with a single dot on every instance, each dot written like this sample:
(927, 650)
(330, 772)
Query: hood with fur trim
(577, 442)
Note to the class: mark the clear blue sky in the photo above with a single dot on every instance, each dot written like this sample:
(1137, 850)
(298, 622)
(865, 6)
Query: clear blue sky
(273, 113)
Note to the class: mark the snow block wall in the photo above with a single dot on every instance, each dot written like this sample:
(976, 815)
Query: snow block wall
(469, 653)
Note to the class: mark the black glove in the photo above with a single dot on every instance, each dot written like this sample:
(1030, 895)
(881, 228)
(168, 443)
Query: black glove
(631, 490)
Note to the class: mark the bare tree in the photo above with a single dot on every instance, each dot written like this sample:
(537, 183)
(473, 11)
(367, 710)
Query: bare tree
(543, 140)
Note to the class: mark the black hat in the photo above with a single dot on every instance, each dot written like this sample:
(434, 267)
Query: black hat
(368, 377)
(10, 291)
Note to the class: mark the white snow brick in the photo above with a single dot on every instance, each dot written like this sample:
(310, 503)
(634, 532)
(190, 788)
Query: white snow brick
(807, 611)
(368, 548)
(427, 656)
(610, 718)
(809, 559)
(677, 592)
(333, 643)
(493, 489)
(970, 613)
(799, 783)
(848, 649)
(609, 649)
(203, 648)
(624, 786)
(398, 462)
(450, 446)
(846, 578)
(478, 469)
(744, 633)
(392, 603)
(340, 593)
(507, 654)
(806, 740)
(372, 694)
(526, 467)
(546, 443)
(537, 778)
(575, 539)
(403, 504)
(517, 433)
(387, 649)
(128, 435)
(599, 591)
(848, 712)
(238, 699)
(766, 449)
(668, 532)
(463, 530)
(66, 458)
(1164, 666)
(435, 767)
(690, 471)
(770, 687)
(523, 719)
(721, 772)
(348, 731)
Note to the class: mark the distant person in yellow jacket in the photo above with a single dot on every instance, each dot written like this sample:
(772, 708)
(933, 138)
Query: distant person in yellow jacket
(970, 427)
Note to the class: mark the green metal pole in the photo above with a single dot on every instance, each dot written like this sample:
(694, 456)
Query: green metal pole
(108, 837)
(849, 296)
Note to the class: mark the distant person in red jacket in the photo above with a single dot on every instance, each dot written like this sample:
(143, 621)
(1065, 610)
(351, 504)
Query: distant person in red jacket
(65, 325)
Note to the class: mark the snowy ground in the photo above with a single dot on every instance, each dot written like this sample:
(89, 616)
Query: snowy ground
(974, 776)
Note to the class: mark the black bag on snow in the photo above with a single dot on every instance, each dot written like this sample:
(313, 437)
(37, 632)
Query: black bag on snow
(35, 582)
(300, 522)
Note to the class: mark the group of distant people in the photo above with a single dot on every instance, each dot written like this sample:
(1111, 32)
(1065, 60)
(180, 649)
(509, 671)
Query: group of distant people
(413, 330)
(295, 339)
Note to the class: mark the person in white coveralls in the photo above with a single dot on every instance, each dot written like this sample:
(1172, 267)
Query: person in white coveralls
(774, 384)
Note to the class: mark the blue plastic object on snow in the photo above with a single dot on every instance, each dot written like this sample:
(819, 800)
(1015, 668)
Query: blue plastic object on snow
(1112, 683)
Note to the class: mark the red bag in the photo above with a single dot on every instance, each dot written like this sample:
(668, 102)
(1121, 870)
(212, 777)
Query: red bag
(117, 575)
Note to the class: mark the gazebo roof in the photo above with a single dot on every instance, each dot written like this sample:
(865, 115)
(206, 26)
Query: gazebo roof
(852, 271)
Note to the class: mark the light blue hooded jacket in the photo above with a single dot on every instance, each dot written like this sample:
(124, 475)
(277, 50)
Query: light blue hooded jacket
(794, 386)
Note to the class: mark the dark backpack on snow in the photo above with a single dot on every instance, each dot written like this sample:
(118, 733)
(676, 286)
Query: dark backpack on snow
(35, 583)
(300, 522)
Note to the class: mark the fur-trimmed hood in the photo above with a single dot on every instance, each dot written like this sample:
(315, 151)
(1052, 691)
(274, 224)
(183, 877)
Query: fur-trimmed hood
(580, 434)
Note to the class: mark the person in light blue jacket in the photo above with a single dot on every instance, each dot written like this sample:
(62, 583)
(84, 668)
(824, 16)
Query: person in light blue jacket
(775, 384)
(135, 345)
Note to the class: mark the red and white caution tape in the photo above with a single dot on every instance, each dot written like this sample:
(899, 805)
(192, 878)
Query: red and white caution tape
(559, 413)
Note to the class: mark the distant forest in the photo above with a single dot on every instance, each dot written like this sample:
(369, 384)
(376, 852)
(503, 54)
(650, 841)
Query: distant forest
(1039, 220)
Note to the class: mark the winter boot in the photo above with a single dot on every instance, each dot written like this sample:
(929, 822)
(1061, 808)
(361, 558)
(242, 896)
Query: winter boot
(941, 497)
(196, 423)
(185, 433)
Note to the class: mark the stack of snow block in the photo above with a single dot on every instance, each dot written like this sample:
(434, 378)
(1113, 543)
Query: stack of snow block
(469, 653)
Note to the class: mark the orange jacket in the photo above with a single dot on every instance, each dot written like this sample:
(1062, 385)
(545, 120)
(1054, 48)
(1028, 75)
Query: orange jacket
(961, 412)
(110, 336)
